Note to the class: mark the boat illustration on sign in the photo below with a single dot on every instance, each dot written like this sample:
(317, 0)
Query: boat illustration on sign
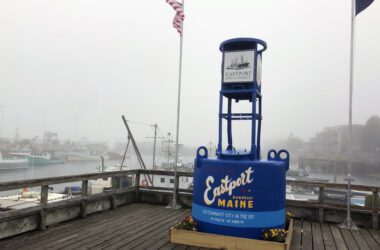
(236, 64)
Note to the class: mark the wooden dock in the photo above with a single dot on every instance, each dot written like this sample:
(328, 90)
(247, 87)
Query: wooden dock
(132, 226)
(135, 217)
(146, 226)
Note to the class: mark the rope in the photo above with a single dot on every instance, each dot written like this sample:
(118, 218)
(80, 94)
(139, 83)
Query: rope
(140, 123)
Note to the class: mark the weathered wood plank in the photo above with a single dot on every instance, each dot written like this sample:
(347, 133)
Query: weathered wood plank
(166, 189)
(168, 246)
(129, 228)
(375, 215)
(55, 230)
(54, 205)
(338, 238)
(349, 239)
(90, 237)
(99, 240)
(317, 237)
(180, 247)
(341, 207)
(73, 178)
(150, 237)
(44, 194)
(332, 185)
(76, 228)
(297, 235)
(10, 185)
(369, 239)
(307, 237)
(328, 239)
(193, 248)
(161, 242)
(158, 241)
(360, 241)
(121, 241)
(145, 226)
(289, 237)
(376, 235)
(165, 172)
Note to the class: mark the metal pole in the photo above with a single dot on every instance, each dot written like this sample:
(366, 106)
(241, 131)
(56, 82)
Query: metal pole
(220, 136)
(349, 223)
(2, 121)
(154, 147)
(169, 153)
(101, 157)
(154, 152)
(174, 201)
(229, 124)
(253, 129)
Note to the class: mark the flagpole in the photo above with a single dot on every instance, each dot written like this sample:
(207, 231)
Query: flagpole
(174, 204)
(349, 223)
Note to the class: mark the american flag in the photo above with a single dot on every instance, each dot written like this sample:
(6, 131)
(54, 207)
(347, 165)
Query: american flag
(179, 15)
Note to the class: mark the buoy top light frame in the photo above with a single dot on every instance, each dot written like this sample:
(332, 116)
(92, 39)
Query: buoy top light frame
(243, 43)
(241, 67)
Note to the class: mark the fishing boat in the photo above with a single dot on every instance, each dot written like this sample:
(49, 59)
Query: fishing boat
(17, 153)
(101, 185)
(12, 163)
(44, 159)
(168, 181)
(83, 155)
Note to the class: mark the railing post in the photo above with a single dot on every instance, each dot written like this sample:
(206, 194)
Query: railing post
(42, 225)
(115, 185)
(83, 210)
(43, 201)
(320, 201)
(137, 185)
(375, 216)
(44, 194)
(177, 187)
(115, 182)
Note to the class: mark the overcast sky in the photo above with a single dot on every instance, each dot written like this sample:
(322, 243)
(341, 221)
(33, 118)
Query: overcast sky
(74, 66)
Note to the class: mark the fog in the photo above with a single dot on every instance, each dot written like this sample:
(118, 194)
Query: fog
(75, 66)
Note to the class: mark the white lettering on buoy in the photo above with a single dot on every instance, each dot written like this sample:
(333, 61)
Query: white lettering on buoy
(227, 185)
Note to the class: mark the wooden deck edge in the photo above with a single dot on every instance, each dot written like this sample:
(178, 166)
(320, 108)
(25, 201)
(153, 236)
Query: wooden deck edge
(290, 236)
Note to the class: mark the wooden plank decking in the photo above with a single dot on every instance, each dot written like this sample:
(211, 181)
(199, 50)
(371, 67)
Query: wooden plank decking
(313, 235)
(145, 226)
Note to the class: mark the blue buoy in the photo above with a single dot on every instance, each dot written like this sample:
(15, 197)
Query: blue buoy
(238, 194)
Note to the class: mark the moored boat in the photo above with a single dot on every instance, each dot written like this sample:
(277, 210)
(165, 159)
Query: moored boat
(13, 163)
(41, 160)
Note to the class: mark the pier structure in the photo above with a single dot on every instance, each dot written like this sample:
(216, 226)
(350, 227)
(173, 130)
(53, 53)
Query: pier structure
(332, 163)
(135, 216)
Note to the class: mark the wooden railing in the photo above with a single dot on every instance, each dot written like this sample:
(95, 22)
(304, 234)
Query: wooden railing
(321, 204)
(46, 213)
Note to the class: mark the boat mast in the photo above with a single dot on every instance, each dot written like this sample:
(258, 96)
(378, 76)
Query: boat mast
(168, 148)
